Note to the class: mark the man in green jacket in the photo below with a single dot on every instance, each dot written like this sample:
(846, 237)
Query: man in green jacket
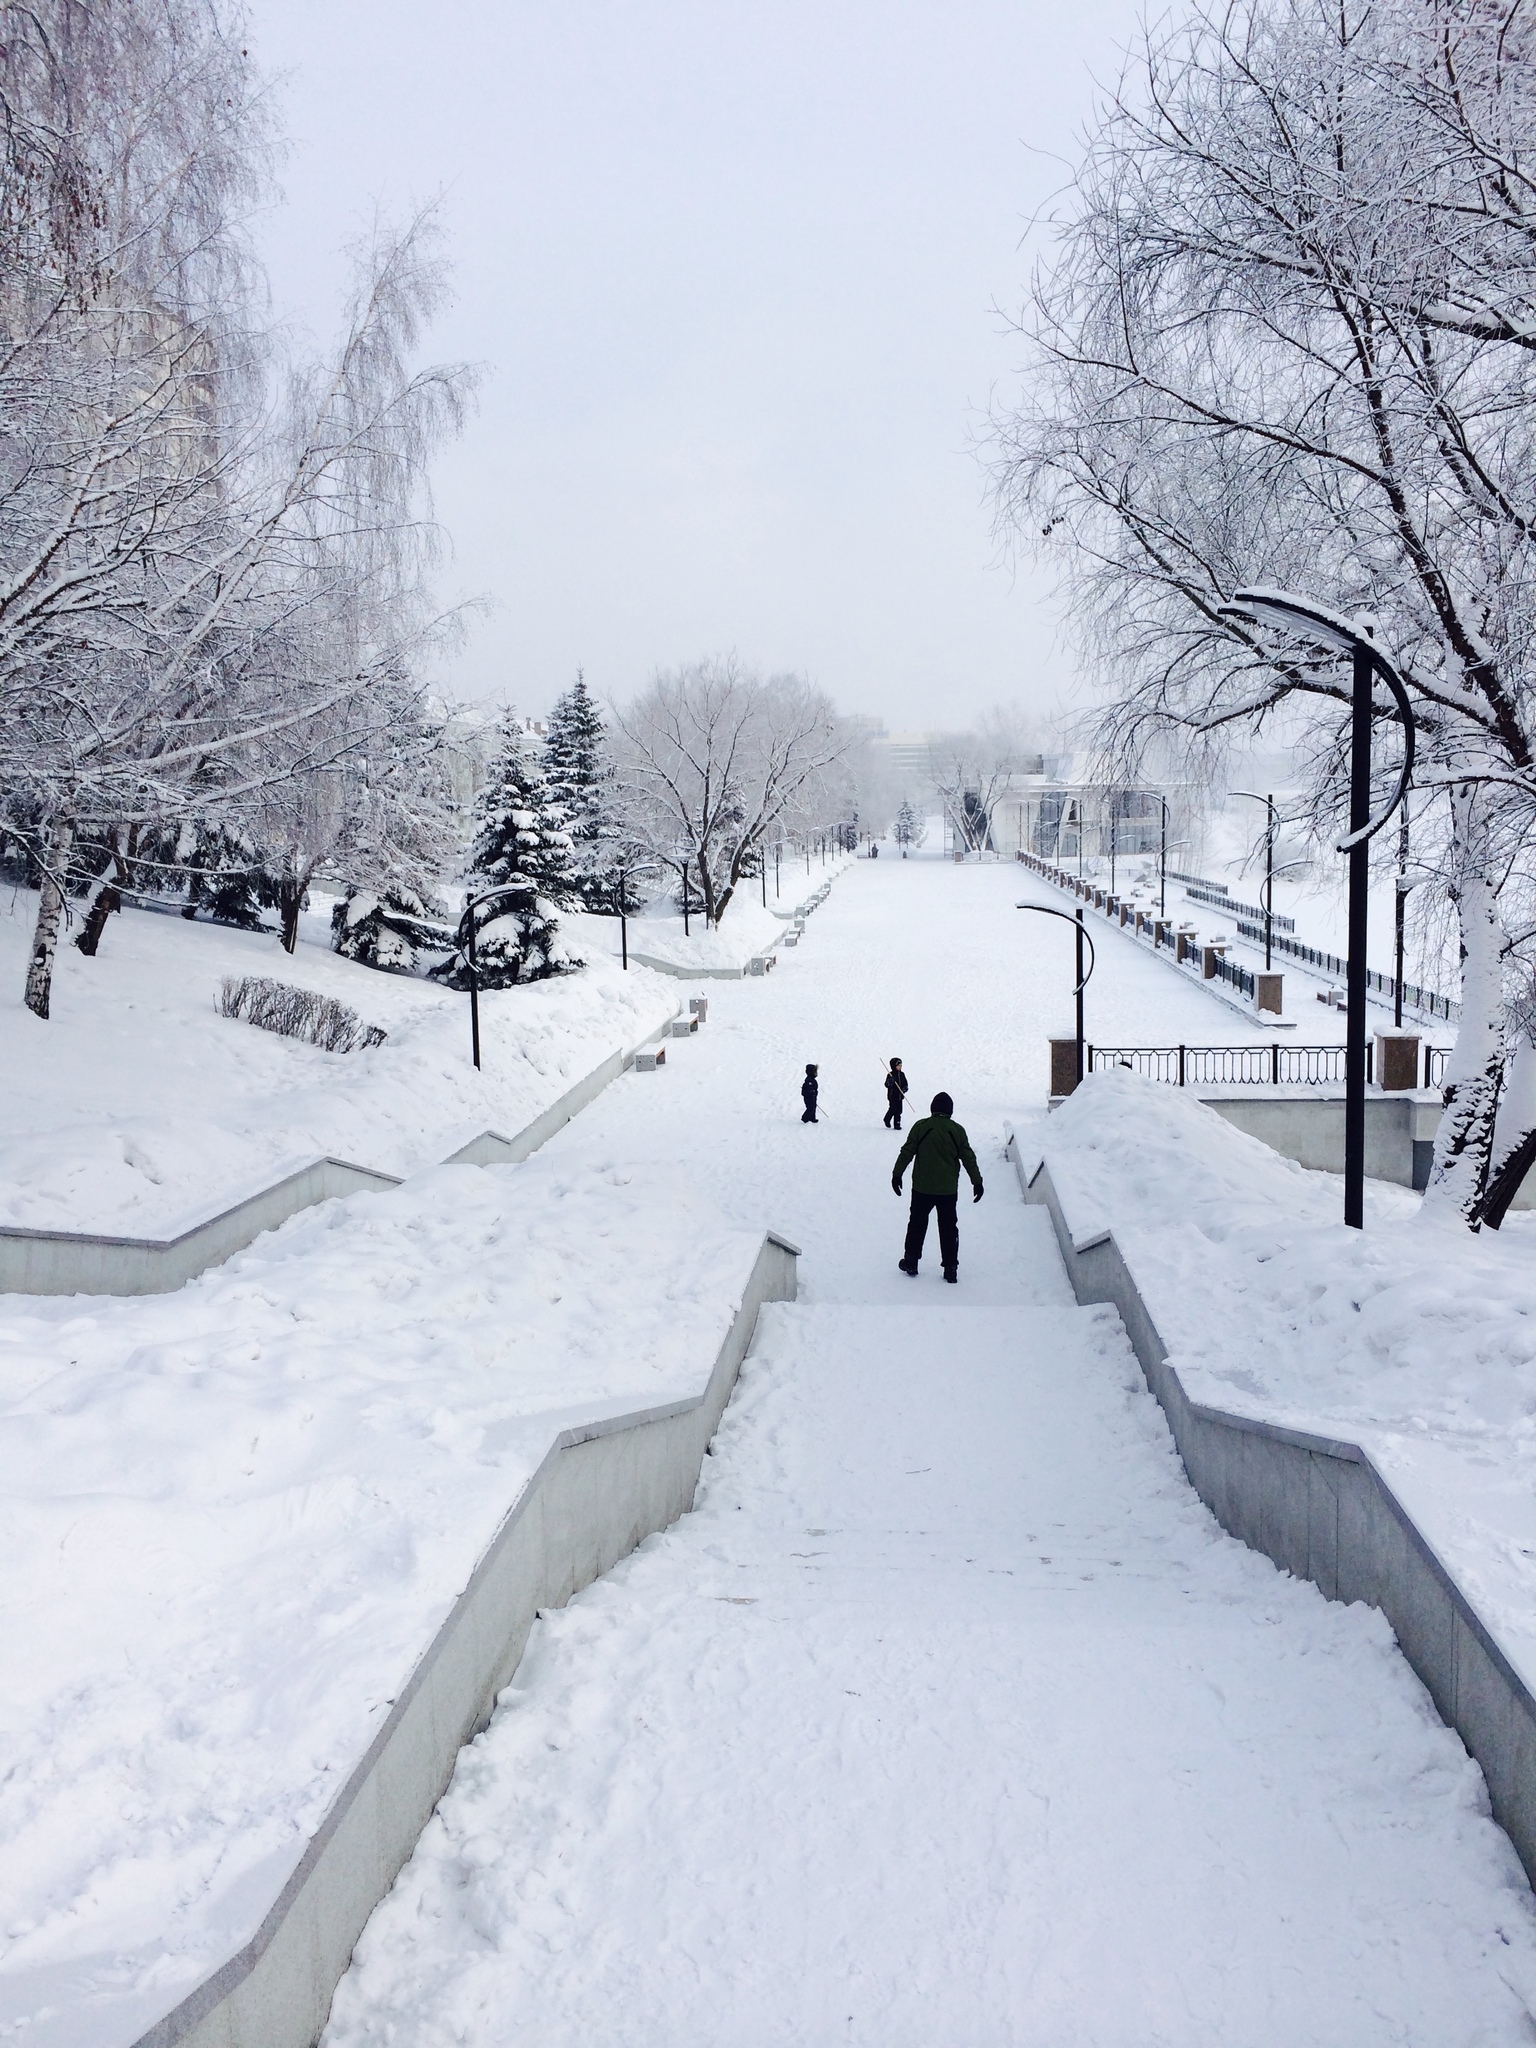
(937, 1147)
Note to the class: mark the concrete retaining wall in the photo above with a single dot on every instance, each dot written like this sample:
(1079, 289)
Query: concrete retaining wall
(1322, 1511)
(602, 1488)
(1399, 1131)
(82, 1262)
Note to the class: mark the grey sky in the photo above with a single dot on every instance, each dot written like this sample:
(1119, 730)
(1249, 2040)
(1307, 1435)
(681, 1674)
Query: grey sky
(732, 270)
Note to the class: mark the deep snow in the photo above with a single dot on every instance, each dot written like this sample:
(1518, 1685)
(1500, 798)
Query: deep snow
(137, 1108)
(1411, 1337)
(951, 1715)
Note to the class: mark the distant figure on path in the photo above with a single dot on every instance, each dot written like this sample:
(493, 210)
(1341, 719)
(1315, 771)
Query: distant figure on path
(895, 1090)
(937, 1147)
(808, 1096)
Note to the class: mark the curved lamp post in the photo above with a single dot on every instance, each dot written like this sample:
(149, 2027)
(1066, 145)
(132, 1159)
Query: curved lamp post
(1282, 611)
(1083, 979)
(464, 938)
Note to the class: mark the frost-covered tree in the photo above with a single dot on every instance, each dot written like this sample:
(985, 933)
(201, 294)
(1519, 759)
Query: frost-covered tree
(1287, 336)
(580, 778)
(712, 759)
(520, 823)
(201, 554)
(910, 828)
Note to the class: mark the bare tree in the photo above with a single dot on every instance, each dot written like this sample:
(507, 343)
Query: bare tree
(711, 758)
(971, 770)
(1288, 335)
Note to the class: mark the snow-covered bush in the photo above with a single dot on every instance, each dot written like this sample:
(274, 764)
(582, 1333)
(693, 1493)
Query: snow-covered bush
(518, 940)
(296, 1013)
(395, 932)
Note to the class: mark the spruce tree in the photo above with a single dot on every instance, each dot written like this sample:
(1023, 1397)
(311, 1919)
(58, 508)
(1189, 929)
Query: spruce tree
(521, 833)
(579, 778)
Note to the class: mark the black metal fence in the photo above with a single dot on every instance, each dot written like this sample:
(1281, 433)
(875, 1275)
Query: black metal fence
(1248, 1066)
(1235, 975)
(1425, 999)
(1204, 894)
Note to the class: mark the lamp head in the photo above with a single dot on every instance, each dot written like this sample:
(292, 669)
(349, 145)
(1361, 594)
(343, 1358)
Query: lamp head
(1282, 611)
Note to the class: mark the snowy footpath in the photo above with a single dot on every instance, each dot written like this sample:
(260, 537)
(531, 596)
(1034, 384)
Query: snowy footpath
(949, 1715)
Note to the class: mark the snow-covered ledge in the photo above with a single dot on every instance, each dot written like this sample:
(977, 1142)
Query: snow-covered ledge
(1323, 1506)
(602, 1488)
(85, 1262)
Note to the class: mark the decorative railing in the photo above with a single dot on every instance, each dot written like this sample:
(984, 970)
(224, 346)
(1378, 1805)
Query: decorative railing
(1425, 999)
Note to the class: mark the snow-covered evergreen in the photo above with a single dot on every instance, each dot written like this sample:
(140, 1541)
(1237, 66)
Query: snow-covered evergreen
(396, 931)
(910, 828)
(520, 825)
(581, 779)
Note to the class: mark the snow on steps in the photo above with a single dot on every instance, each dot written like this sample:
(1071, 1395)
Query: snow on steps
(601, 1489)
(85, 1262)
(1321, 1509)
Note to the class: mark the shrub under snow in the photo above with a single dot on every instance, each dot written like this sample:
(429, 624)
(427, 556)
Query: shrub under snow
(296, 1013)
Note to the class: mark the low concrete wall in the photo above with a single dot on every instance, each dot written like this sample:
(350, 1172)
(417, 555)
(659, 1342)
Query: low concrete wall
(1322, 1511)
(83, 1262)
(602, 1488)
(1399, 1131)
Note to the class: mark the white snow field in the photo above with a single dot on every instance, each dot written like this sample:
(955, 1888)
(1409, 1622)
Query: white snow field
(137, 1108)
(949, 1716)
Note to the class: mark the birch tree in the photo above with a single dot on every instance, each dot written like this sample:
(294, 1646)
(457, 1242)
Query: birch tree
(200, 563)
(1287, 335)
(710, 759)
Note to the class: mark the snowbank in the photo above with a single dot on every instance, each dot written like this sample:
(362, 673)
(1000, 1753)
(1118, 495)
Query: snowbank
(1411, 1337)
(747, 929)
(240, 1512)
(143, 1107)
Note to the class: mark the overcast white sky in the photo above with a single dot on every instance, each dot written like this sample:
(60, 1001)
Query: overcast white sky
(731, 268)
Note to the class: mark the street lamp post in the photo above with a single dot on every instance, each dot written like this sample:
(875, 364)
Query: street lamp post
(1305, 619)
(1083, 937)
(465, 938)
(1269, 871)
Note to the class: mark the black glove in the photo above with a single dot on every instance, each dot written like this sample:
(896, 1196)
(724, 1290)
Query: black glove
(977, 1196)
(895, 1185)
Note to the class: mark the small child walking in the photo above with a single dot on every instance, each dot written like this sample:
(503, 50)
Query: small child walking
(808, 1092)
(895, 1089)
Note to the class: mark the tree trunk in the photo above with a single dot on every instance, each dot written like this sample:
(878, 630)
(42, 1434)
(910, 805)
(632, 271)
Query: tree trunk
(290, 901)
(104, 897)
(1475, 1070)
(50, 910)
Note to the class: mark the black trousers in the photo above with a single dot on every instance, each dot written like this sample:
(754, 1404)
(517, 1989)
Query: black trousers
(949, 1228)
(893, 1114)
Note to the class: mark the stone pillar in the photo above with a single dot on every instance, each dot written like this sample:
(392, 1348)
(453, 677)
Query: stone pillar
(1267, 993)
(1397, 1063)
(1183, 942)
(1125, 913)
(1209, 955)
(1063, 1065)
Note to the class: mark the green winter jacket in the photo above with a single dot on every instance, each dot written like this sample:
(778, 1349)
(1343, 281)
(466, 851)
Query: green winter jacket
(938, 1148)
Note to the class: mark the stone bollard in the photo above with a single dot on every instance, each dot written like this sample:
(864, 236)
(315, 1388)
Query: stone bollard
(648, 1062)
(1063, 1065)
(1268, 993)
(698, 1006)
(1125, 914)
(1183, 942)
(1209, 955)
(684, 1027)
(1397, 1060)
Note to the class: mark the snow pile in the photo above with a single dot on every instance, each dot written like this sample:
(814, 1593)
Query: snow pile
(238, 1513)
(144, 1109)
(746, 930)
(1411, 1337)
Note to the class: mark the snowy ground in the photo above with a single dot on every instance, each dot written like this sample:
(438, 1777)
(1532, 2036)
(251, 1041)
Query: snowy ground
(237, 1514)
(1412, 1337)
(754, 921)
(137, 1108)
(951, 1716)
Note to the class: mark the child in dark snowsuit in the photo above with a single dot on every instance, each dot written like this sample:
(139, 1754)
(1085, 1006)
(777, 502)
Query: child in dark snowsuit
(808, 1090)
(895, 1089)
